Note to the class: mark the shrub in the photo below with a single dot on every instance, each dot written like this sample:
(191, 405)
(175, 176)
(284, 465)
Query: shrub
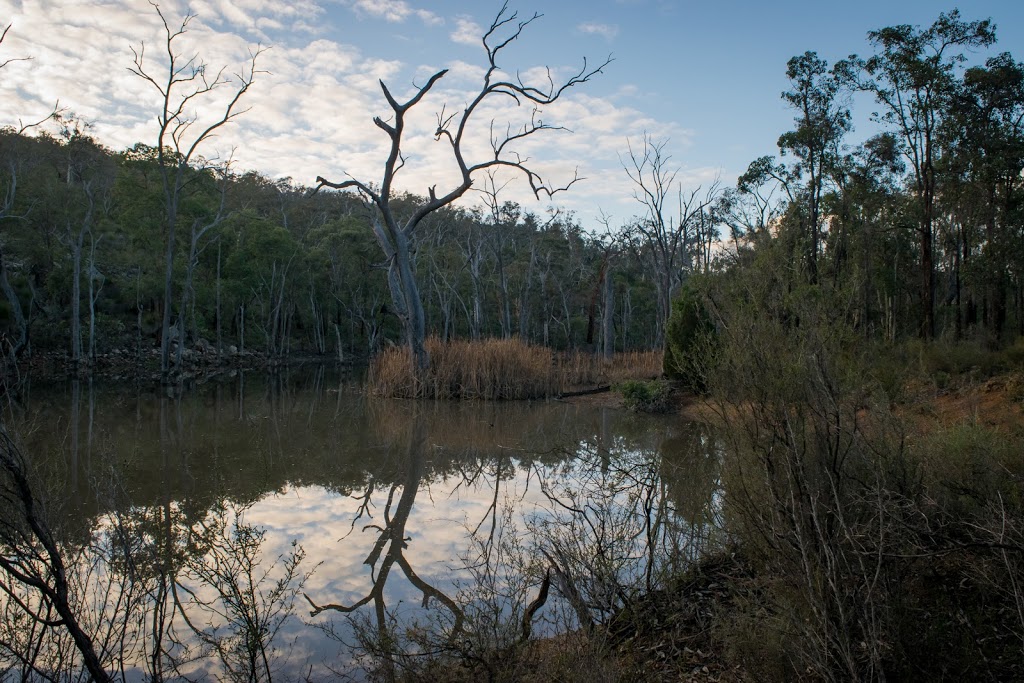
(645, 397)
(957, 358)
(1015, 354)
(687, 333)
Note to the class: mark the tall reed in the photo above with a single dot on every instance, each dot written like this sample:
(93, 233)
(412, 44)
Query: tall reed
(497, 369)
(490, 369)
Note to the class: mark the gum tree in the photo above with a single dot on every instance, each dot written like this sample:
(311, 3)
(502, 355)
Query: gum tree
(394, 235)
(13, 163)
(182, 83)
(665, 240)
(821, 122)
(913, 77)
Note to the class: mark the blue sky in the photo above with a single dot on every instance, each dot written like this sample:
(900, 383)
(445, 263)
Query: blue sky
(706, 76)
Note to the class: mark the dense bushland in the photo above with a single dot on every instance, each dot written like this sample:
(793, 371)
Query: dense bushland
(879, 537)
(284, 273)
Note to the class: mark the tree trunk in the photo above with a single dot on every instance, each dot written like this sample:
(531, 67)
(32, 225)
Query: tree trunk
(76, 298)
(94, 295)
(20, 324)
(927, 283)
(415, 328)
(165, 321)
(608, 333)
(220, 340)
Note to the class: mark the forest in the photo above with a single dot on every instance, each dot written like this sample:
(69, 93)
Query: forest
(820, 315)
(920, 223)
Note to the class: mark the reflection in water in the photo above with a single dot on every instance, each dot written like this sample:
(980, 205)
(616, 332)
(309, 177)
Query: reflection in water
(435, 529)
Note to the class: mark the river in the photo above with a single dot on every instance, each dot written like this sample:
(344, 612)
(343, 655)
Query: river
(419, 522)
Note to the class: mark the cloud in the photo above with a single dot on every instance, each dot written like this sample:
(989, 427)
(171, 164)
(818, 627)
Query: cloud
(429, 18)
(467, 31)
(312, 113)
(256, 17)
(394, 11)
(609, 31)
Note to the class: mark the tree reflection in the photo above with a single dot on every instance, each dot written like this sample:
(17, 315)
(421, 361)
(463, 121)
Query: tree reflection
(389, 548)
(597, 526)
(554, 519)
(148, 591)
(629, 517)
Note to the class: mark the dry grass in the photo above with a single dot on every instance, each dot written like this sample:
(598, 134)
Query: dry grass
(501, 369)
(580, 370)
(491, 369)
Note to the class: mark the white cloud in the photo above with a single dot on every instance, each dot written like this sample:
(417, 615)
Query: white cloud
(312, 113)
(256, 17)
(429, 18)
(467, 31)
(395, 11)
(609, 31)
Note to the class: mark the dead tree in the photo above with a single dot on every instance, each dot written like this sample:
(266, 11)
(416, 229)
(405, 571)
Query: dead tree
(181, 86)
(393, 235)
(666, 240)
(392, 542)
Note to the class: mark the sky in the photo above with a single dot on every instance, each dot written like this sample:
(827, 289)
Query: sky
(703, 77)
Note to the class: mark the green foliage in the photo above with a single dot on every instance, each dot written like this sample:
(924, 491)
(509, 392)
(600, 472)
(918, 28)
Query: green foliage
(689, 338)
(958, 358)
(968, 466)
(288, 271)
(645, 396)
(1015, 354)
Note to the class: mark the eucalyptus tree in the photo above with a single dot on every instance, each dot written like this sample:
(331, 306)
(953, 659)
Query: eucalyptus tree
(913, 76)
(88, 171)
(523, 298)
(393, 233)
(500, 238)
(821, 122)
(666, 238)
(986, 139)
(12, 165)
(182, 82)
(815, 145)
(470, 240)
(868, 244)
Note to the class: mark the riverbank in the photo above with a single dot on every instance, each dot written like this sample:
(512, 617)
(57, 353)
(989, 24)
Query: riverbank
(952, 606)
(942, 577)
(199, 365)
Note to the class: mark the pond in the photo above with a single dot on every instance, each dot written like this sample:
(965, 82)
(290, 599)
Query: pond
(356, 533)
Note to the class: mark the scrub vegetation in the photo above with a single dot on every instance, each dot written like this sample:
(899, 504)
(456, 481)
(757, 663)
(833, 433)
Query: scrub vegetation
(847, 320)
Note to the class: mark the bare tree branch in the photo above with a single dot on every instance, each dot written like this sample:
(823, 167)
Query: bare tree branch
(394, 237)
(185, 81)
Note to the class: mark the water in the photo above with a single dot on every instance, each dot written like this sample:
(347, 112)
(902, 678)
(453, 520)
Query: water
(420, 518)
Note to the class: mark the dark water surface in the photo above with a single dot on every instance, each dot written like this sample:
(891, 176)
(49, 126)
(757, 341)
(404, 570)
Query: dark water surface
(416, 515)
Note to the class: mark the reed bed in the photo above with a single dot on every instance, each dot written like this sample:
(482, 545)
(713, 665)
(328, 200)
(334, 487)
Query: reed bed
(491, 369)
(581, 370)
(502, 369)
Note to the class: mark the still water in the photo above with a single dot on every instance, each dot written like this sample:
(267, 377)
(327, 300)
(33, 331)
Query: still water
(413, 520)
